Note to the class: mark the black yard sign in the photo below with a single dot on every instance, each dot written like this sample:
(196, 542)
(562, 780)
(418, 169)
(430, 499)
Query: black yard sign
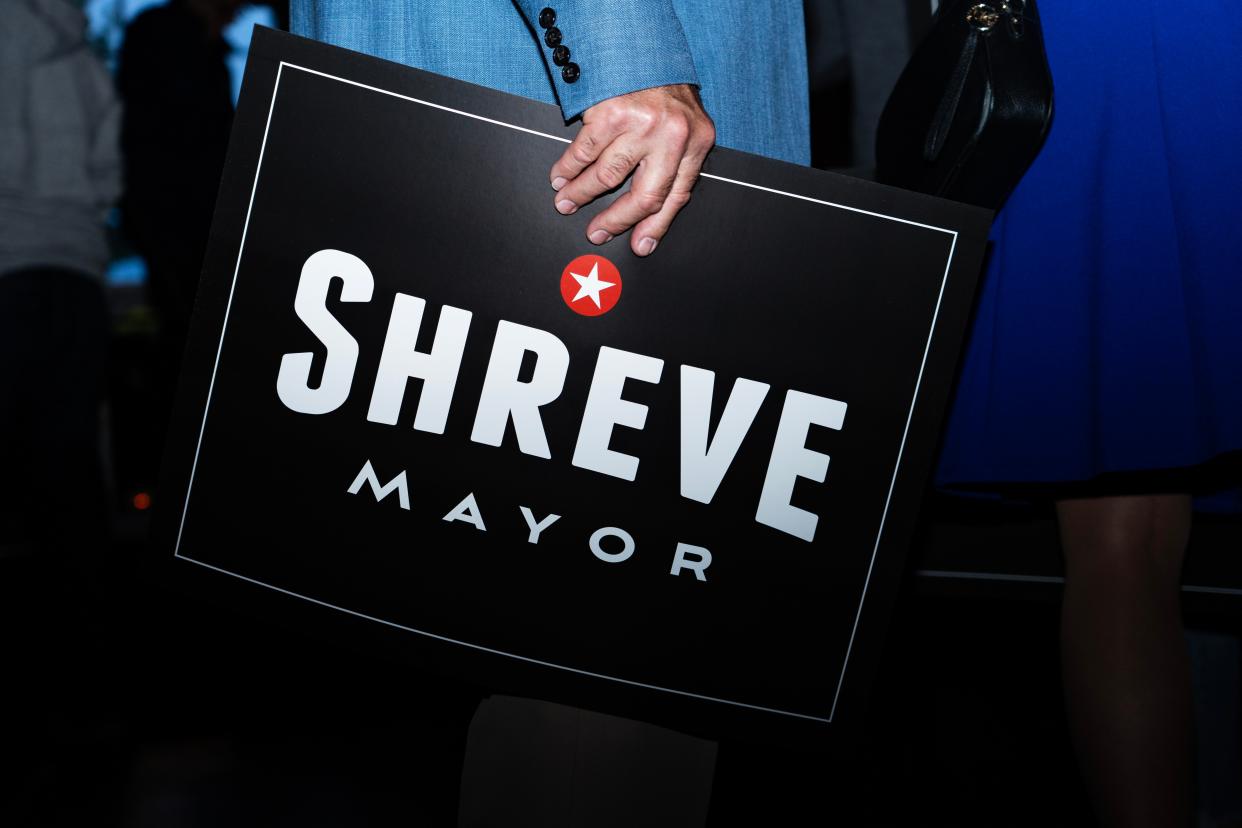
(418, 402)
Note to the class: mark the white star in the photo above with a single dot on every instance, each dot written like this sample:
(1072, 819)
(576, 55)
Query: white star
(591, 285)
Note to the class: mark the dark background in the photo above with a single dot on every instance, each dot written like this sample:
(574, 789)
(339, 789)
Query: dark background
(137, 706)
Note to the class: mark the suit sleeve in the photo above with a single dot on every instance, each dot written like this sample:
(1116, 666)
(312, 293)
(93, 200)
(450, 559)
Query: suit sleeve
(608, 48)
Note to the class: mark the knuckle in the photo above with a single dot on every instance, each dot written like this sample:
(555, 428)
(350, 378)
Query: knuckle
(662, 187)
(582, 154)
(612, 173)
(677, 129)
(649, 201)
(610, 222)
(606, 178)
(678, 199)
(641, 119)
(615, 118)
(706, 134)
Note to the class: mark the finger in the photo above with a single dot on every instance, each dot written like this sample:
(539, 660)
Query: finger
(609, 172)
(650, 186)
(648, 232)
(582, 152)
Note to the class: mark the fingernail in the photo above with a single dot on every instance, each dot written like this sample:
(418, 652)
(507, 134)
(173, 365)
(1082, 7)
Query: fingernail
(600, 236)
(557, 183)
(646, 246)
(566, 206)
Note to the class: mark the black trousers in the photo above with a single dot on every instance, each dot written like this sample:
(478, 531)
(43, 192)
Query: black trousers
(53, 521)
(53, 371)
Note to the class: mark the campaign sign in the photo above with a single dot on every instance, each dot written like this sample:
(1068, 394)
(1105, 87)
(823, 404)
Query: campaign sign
(418, 401)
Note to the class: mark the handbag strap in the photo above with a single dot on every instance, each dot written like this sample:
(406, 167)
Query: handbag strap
(947, 109)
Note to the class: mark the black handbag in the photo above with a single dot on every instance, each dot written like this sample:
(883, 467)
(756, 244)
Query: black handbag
(971, 109)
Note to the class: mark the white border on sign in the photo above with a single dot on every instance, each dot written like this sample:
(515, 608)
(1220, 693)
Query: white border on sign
(888, 499)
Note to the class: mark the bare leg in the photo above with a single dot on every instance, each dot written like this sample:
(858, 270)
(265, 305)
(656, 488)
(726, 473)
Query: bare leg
(1123, 655)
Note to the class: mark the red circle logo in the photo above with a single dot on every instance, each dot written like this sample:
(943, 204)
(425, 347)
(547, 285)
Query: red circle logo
(590, 285)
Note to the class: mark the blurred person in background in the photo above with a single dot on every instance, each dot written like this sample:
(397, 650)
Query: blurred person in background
(60, 173)
(174, 80)
(1101, 372)
(856, 50)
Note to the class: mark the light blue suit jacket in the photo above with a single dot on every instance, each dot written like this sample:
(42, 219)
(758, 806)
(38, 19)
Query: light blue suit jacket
(747, 56)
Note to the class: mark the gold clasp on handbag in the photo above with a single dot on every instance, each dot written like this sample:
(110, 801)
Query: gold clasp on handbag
(984, 17)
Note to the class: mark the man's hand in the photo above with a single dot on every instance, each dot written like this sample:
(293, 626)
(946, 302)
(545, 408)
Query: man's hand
(660, 135)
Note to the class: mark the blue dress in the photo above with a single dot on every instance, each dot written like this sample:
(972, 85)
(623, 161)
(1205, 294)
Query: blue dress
(1108, 333)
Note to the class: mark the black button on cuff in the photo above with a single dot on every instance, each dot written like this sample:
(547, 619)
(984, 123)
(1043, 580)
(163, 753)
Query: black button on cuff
(560, 53)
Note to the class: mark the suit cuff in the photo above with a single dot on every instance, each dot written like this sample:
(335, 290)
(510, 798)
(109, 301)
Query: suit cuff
(608, 49)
